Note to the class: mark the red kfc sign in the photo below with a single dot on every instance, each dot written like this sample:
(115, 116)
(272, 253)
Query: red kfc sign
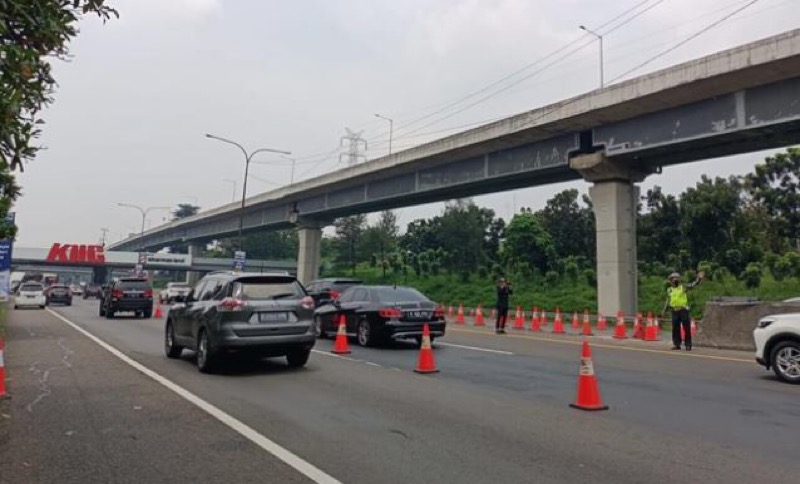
(76, 253)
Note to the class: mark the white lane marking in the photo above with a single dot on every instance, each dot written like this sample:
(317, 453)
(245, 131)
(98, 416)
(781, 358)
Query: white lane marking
(372, 364)
(332, 355)
(475, 348)
(300, 465)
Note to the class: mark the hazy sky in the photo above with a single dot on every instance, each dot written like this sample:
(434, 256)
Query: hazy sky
(139, 93)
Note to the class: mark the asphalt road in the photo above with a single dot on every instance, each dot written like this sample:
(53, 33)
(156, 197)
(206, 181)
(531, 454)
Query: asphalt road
(497, 411)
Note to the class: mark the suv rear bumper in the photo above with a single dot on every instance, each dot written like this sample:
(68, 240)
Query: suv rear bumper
(265, 345)
(131, 305)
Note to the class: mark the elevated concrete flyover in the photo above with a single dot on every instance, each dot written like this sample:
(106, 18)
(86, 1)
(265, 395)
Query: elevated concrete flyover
(735, 101)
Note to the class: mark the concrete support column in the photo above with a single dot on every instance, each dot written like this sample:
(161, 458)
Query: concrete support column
(614, 198)
(195, 250)
(309, 252)
(615, 217)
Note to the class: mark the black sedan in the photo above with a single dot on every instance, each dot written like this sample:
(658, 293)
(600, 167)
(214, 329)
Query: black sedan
(376, 314)
(58, 293)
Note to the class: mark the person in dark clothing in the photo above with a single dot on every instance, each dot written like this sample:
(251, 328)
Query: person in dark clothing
(503, 292)
(678, 302)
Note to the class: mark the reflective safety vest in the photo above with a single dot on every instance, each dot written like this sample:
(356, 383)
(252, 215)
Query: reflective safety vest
(678, 297)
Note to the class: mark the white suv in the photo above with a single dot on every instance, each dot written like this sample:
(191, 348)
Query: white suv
(777, 340)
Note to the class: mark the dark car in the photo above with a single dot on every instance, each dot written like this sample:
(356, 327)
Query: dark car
(58, 294)
(376, 314)
(93, 290)
(244, 314)
(324, 291)
(128, 294)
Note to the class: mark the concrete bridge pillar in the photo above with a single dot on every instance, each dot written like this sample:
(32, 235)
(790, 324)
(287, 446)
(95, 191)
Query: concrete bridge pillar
(614, 198)
(309, 250)
(195, 250)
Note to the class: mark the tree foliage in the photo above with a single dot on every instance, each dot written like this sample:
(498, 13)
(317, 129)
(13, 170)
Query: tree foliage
(32, 34)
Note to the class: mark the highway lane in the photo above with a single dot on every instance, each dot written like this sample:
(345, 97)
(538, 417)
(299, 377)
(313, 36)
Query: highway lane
(495, 416)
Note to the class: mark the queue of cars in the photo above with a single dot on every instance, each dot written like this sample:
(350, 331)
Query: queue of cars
(257, 315)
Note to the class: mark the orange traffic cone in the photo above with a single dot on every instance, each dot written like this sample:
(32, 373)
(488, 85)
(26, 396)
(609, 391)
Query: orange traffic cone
(340, 346)
(460, 316)
(543, 318)
(638, 333)
(519, 319)
(587, 328)
(651, 331)
(694, 328)
(479, 319)
(450, 313)
(558, 324)
(620, 331)
(3, 393)
(601, 323)
(494, 314)
(588, 397)
(158, 313)
(426, 363)
(585, 317)
(575, 323)
(536, 323)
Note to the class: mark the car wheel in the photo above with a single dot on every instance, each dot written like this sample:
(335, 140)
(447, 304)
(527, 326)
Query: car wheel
(171, 349)
(785, 361)
(102, 311)
(364, 333)
(206, 359)
(318, 328)
(109, 313)
(147, 314)
(16, 307)
(298, 358)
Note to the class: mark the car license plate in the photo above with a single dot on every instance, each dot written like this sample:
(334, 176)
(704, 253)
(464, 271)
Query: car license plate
(418, 314)
(273, 317)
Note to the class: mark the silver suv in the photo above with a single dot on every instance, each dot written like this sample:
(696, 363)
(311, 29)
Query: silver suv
(242, 314)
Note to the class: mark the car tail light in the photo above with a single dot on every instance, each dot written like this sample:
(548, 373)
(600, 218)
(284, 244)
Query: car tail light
(231, 304)
(390, 313)
(438, 313)
(148, 293)
(116, 293)
(307, 303)
(335, 294)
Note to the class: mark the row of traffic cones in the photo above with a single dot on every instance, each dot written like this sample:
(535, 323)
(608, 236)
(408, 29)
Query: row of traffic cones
(3, 393)
(646, 332)
(425, 363)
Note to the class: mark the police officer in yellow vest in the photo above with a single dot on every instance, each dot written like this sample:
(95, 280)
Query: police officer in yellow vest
(678, 303)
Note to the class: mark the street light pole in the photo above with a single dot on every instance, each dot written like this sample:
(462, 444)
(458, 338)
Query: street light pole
(391, 129)
(600, 38)
(144, 212)
(247, 158)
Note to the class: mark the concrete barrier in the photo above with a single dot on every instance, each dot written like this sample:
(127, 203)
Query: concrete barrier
(729, 325)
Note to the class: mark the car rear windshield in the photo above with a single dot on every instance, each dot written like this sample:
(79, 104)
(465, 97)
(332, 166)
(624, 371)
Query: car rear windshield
(401, 294)
(178, 285)
(31, 287)
(265, 288)
(134, 284)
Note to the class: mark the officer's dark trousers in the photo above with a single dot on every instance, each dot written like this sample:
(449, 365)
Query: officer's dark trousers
(502, 316)
(681, 317)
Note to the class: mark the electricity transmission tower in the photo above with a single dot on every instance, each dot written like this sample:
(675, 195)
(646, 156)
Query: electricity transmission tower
(354, 145)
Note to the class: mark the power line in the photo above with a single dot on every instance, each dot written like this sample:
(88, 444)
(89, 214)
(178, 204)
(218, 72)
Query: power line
(687, 39)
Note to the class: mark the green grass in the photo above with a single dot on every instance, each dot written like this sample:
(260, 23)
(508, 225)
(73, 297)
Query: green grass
(448, 289)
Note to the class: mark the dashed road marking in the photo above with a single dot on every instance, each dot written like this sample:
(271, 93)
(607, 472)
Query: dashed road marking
(475, 348)
(285, 455)
(607, 346)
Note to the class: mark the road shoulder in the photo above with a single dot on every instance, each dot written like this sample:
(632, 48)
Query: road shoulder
(78, 414)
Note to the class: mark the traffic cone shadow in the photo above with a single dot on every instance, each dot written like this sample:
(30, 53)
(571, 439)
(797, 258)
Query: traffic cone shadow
(588, 395)
(426, 363)
(341, 345)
